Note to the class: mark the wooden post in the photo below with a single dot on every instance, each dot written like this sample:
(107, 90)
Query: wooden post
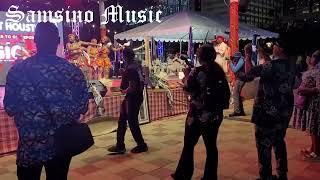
(147, 52)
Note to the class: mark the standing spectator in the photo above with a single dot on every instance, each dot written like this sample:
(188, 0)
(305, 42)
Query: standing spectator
(43, 93)
(210, 94)
(132, 85)
(309, 88)
(300, 102)
(272, 110)
(238, 68)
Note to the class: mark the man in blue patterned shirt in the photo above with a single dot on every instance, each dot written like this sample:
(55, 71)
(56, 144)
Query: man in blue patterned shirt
(43, 93)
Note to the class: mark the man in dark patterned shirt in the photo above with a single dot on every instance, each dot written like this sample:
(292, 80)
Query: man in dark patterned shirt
(272, 110)
(43, 93)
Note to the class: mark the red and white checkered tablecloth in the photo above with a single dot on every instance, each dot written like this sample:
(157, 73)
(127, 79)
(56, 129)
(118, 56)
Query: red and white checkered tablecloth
(8, 133)
(159, 103)
(158, 108)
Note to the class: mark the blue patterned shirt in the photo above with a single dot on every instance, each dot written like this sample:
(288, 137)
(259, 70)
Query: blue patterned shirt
(42, 94)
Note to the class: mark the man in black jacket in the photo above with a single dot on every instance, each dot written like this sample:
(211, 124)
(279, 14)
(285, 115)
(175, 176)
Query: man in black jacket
(132, 85)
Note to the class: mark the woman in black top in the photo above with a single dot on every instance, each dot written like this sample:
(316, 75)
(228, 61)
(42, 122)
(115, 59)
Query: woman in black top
(209, 91)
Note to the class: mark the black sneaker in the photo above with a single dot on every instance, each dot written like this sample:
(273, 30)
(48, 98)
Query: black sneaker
(237, 114)
(175, 177)
(116, 149)
(139, 149)
(283, 177)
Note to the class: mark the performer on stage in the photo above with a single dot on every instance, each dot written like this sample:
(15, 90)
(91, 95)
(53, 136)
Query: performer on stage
(76, 52)
(93, 52)
(104, 59)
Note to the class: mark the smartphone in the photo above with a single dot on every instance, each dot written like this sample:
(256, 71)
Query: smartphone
(181, 75)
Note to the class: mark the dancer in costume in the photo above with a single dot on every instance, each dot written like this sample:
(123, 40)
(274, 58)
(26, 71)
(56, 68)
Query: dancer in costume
(93, 52)
(76, 52)
(104, 59)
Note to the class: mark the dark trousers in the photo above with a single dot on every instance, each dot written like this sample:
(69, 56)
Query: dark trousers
(266, 139)
(237, 100)
(56, 169)
(130, 108)
(209, 133)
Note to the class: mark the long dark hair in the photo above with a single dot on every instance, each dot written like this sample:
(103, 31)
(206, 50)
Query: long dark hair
(207, 54)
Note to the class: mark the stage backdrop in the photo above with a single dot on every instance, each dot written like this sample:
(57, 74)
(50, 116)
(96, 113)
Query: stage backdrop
(12, 37)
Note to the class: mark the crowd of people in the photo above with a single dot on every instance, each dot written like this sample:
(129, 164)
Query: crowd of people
(45, 93)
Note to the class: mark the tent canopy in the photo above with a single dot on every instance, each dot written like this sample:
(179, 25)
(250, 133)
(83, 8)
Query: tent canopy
(176, 28)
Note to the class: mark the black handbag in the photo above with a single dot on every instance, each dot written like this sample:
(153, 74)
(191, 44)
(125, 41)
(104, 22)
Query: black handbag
(74, 139)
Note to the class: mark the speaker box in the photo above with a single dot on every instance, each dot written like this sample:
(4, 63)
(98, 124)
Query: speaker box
(100, 87)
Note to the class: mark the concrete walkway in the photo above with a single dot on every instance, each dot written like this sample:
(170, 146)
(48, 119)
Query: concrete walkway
(238, 159)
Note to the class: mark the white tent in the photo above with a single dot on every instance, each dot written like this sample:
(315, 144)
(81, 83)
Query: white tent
(176, 28)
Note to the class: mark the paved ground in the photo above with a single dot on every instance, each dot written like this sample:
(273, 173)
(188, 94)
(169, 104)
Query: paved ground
(237, 161)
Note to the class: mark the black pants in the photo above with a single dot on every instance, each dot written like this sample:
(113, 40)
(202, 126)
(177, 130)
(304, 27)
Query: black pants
(237, 100)
(56, 169)
(266, 139)
(209, 132)
(130, 108)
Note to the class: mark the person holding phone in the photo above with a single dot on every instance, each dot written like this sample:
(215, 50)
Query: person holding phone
(209, 91)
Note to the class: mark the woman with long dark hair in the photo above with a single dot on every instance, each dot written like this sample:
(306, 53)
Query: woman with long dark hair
(209, 91)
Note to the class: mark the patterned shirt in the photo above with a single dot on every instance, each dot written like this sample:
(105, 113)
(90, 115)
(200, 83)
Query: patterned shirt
(43, 93)
(274, 100)
(209, 91)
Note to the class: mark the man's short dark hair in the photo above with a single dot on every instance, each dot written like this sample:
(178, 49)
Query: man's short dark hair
(207, 53)
(128, 53)
(46, 36)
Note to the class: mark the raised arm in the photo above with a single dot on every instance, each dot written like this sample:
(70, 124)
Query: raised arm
(238, 66)
(253, 73)
(70, 47)
(83, 43)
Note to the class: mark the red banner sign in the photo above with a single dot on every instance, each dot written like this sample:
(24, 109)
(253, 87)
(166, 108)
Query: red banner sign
(12, 45)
